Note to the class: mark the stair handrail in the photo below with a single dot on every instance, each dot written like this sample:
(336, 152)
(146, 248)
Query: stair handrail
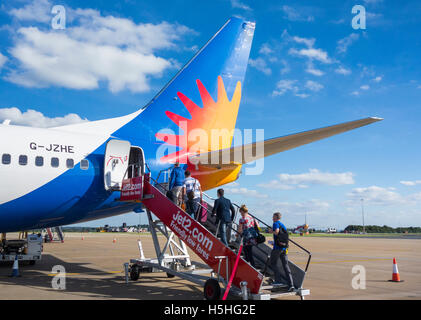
(228, 225)
(238, 207)
(264, 223)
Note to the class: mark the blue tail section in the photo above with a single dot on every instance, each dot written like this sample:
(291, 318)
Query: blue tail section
(225, 55)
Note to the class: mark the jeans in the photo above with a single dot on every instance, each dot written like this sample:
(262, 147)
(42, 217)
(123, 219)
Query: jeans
(223, 232)
(192, 207)
(274, 257)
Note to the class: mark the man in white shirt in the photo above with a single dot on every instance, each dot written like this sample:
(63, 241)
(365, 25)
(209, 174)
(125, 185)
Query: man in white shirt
(193, 191)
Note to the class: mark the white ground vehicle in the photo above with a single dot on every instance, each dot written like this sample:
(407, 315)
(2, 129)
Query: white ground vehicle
(28, 248)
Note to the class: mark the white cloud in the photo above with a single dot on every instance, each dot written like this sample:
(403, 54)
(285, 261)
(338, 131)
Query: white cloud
(415, 197)
(3, 60)
(343, 71)
(302, 95)
(367, 71)
(374, 19)
(286, 68)
(276, 185)
(309, 42)
(93, 49)
(312, 53)
(312, 70)
(265, 49)
(309, 52)
(239, 5)
(314, 176)
(378, 79)
(292, 14)
(313, 86)
(365, 87)
(292, 208)
(284, 86)
(34, 118)
(124, 33)
(344, 43)
(246, 192)
(371, 2)
(288, 181)
(376, 195)
(261, 65)
(411, 183)
(38, 11)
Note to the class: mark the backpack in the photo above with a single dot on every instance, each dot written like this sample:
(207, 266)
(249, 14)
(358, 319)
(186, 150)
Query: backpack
(248, 234)
(282, 238)
(190, 194)
(170, 195)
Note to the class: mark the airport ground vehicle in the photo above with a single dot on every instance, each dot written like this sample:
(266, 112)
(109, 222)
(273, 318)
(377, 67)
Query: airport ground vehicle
(27, 248)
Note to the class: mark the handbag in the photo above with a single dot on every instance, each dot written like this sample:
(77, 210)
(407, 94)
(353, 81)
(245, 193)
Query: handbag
(260, 237)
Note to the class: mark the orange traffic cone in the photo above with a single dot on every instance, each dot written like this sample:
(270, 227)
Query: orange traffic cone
(395, 276)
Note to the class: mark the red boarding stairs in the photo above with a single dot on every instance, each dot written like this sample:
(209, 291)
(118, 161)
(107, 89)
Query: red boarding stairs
(220, 258)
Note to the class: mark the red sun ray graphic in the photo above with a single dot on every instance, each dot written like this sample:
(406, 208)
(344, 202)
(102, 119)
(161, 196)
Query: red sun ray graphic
(210, 128)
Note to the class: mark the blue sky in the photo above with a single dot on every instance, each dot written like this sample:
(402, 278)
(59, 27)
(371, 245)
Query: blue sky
(308, 68)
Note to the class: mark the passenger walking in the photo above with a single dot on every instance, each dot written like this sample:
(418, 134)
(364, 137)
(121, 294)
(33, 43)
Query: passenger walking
(246, 227)
(193, 191)
(221, 209)
(176, 183)
(280, 250)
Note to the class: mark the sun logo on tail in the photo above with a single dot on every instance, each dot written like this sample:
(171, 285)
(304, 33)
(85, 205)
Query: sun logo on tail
(207, 126)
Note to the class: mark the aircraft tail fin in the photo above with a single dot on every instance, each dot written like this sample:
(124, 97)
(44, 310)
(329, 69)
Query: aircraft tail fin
(204, 95)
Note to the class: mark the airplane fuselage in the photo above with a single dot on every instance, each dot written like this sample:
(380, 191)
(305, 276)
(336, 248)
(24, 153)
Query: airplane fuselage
(52, 177)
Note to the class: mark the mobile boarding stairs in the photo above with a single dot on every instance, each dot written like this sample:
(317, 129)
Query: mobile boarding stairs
(182, 231)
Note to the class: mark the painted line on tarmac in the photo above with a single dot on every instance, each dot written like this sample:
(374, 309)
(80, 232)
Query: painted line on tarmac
(355, 260)
(84, 273)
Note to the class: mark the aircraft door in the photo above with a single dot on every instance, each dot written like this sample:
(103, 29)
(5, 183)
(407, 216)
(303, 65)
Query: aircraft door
(132, 188)
(116, 163)
(136, 163)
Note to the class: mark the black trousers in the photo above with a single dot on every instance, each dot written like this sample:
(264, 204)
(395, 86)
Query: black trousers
(248, 252)
(275, 255)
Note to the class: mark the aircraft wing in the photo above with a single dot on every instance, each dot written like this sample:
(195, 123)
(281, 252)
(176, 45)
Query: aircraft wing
(247, 153)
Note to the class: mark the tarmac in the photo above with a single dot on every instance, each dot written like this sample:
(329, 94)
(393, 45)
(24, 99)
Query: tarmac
(94, 270)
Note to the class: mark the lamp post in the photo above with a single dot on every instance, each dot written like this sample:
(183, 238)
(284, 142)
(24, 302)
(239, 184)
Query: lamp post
(362, 212)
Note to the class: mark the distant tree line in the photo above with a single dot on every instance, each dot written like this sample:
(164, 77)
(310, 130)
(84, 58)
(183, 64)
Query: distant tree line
(382, 229)
(79, 229)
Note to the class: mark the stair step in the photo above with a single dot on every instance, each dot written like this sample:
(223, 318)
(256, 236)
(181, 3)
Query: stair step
(275, 286)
